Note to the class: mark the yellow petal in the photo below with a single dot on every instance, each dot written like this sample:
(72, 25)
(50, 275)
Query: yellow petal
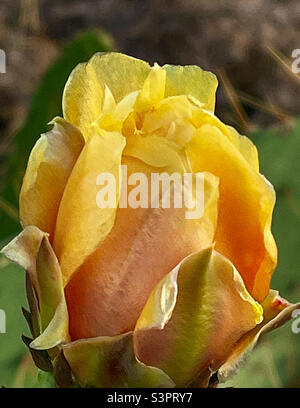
(84, 92)
(277, 311)
(81, 225)
(121, 73)
(245, 147)
(113, 119)
(125, 106)
(83, 98)
(192, 80)
(245, 208)
(153, 90)
(242, 143)
(172, 112)
(155, 151)
(213, 310)
(109, 103)
(50, 164)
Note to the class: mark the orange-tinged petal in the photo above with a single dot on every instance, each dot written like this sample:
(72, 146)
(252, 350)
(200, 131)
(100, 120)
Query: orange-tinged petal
(213, 310)
(192, 80)
(50, 164)
(144, 245)
(81, 225)
(245, 210)
(277, 311)
(245, 147)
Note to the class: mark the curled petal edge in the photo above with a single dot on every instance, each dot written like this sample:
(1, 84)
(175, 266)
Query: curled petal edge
(111, 362)
(32, 251)
(193, 335)
(277, 312)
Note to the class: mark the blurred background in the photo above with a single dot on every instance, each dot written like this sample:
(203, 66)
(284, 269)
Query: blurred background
(248, 45)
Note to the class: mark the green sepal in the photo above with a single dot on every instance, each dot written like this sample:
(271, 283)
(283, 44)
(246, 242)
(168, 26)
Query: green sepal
(62, 372)
(40, 357)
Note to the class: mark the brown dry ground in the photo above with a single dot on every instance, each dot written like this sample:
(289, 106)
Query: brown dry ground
(230, 38)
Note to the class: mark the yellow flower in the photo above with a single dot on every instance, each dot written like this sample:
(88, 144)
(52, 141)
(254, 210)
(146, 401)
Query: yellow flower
(160, 299)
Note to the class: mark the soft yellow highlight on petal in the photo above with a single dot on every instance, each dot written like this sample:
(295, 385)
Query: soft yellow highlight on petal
(202, 117)
(81, 225)
(212, 312)
(167, 111)
(83, 98)
(50, 164)
(156, 152)
(160, 305)
(109, 103)
(114, 117)
(181, 132)
(171, 119)
(192, 80)
(125, 106)
(152, 91)
(121, 73)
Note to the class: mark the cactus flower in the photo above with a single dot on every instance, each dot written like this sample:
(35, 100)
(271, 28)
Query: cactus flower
(144, 297)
